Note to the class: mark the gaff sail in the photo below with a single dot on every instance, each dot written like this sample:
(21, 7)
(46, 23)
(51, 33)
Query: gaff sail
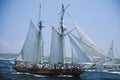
(55, 47)
(32, 48)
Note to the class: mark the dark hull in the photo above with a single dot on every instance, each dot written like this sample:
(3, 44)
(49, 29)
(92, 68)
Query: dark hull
(51, 72)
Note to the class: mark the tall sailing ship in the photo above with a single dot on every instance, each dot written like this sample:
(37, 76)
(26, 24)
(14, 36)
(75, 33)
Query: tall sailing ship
(82, 48)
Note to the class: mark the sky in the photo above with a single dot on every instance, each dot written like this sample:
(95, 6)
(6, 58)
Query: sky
(100, 19)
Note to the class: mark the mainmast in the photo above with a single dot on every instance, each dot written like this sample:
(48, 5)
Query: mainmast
(61, 22)
(61, 55)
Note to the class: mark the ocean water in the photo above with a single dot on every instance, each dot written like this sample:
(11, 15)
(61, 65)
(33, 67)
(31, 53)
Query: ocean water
(8, 73)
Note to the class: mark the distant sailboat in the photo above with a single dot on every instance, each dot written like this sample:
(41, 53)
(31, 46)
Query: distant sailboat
(113, 64)
(112, 54)
(31, 55)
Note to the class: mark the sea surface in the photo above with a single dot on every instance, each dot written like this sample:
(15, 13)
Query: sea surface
(8, 73)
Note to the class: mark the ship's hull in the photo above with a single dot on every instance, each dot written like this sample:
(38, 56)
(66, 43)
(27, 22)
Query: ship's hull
(51, 72)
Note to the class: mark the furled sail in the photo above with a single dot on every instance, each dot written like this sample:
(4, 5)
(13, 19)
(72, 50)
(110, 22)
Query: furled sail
(81, 57)
(32, 48)
(55, 47)
(89, 50)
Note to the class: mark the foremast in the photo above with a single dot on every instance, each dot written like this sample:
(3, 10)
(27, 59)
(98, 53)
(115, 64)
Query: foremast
(40, 21)
(40, 47)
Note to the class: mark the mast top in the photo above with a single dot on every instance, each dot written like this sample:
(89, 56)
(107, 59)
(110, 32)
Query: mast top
(62, 15)
(39, 18)
(40, 21)
(61, 19)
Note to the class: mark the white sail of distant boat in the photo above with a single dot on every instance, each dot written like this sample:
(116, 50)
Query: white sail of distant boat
(111, 52)
(19, 58)
(113, 64)
(32, 49)
(114, 56)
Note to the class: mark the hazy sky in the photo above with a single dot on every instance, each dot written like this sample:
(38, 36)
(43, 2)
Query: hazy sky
(100, 19)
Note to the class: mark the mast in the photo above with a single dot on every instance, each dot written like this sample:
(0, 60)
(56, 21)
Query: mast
(61, 55)
(61, 23)
(40, 21)
(40, 47)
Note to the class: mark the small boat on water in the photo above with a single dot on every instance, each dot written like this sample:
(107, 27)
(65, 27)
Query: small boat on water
(113, 64)
(30, 59)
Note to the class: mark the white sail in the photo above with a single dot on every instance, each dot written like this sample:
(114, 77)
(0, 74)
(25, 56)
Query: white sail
(19, 58)
(81, 57)
(111, 52)
(32, 45)
(55, 47)
(82, 34)
(89, 50)
(74, 59)
(39, 54)
(114, 56)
